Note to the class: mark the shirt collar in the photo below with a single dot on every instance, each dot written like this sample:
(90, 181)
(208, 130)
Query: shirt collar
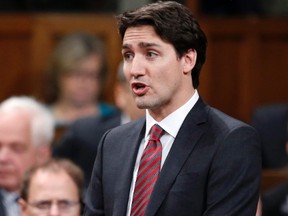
(172, 123)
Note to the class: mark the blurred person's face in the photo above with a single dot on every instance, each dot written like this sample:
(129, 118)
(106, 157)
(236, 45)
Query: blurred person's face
(51, 193)
(16, 150)
(81, 86)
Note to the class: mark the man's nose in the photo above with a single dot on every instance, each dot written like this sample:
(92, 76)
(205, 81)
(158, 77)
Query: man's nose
(54, 210)
(137, 66)
(4, 153)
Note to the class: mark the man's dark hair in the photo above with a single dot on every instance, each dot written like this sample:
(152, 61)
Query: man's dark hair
(174, 23)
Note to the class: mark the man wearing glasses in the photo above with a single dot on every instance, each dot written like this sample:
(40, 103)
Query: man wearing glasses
(54, 188)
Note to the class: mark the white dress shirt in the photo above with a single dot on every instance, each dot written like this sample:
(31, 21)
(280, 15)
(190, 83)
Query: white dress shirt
(171, 124)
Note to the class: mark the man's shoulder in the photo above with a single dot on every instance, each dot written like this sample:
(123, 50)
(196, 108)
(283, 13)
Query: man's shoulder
(225, 123)
(129, 128)
(214, 117)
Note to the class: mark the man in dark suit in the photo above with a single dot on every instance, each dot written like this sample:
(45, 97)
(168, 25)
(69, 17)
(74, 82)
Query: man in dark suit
(26, 133)
(79, 143)
(271, 122)
(195, 160)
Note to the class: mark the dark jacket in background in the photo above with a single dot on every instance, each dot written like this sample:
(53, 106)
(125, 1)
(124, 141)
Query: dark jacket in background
(271, 122)
(80, 142)
(2, 210)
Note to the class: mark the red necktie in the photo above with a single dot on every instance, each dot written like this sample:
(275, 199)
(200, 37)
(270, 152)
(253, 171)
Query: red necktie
(148, 171)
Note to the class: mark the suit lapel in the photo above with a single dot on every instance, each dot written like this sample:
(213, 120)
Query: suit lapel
(2, 210)
(128, 158)
(189, 134)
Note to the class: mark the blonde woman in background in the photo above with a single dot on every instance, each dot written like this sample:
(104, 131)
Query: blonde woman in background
(76, 73)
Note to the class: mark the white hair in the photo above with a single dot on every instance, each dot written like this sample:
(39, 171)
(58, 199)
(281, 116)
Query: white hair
(42, 121)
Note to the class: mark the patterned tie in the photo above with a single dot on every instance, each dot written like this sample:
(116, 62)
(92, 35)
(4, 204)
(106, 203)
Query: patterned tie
(148, 172)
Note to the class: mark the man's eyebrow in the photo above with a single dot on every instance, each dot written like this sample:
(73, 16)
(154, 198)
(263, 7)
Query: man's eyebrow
(126, 46)
(145, 45)
(141, 45)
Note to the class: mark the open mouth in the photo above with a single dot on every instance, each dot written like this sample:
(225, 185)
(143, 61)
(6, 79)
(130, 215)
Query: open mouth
(138, 85)
(139, 89)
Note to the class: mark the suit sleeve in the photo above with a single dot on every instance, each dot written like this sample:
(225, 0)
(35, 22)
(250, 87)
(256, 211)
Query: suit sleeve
(234, 179)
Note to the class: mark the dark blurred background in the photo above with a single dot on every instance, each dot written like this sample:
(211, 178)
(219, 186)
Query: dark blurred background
(207, 7)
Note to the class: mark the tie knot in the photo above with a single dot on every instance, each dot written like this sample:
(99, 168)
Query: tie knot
(156, 132)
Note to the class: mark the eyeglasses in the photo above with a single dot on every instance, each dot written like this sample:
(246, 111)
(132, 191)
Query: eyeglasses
(44, 206)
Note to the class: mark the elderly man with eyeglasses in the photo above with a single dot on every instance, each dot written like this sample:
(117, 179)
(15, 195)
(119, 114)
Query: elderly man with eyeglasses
(54, 188)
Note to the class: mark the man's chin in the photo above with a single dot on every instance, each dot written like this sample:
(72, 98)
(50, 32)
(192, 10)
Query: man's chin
(144, 103)
(8, 185)
(142, 106)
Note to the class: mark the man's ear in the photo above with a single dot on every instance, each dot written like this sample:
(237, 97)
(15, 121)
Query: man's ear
(23, 206)
(43, 154)
(190, 58)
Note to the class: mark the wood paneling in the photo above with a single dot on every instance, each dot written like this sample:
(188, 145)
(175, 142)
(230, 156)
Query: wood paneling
(273, 178)
(247, 59)
(15, 38)
(50, 28)
(246, 64)
(26, 42)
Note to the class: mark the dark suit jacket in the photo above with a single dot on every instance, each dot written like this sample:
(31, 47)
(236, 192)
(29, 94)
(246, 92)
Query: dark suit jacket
(213, 168)
(2, 209)
(273, 199)
(271, 121)
(80, 142)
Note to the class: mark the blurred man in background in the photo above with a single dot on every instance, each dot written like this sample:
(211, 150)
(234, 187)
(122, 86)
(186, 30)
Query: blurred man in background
(26, 132)
(54, 188)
